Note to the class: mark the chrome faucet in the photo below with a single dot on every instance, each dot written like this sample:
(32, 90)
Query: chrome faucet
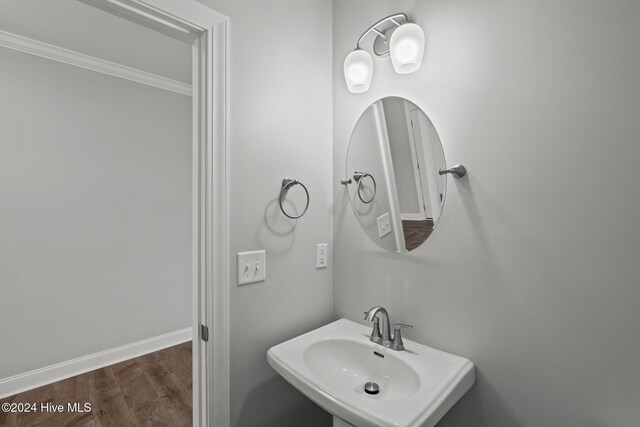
(372, 316)
(385, 338)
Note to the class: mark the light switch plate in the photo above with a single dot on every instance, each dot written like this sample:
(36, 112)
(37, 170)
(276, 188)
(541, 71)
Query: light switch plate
(322, 255)
(251, 267)
(384, 225)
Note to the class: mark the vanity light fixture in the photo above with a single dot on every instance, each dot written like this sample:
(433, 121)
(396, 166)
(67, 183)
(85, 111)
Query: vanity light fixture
(396, 37)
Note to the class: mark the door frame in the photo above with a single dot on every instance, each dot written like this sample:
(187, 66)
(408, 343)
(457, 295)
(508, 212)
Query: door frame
(206, 30)
(390, 175)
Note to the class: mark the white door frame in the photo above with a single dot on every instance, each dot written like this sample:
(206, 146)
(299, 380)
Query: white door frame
(206, 30)
(390, 176)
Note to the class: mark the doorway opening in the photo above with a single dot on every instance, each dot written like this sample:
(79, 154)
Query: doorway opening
(95, 214)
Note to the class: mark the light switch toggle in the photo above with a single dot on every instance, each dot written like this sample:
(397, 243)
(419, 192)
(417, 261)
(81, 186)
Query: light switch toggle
(384, 225)
(251, 267)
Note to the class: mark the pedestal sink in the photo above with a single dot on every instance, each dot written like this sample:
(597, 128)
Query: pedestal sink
(332, 364)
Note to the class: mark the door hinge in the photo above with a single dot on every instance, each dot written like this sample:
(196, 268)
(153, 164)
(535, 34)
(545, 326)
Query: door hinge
(204, 333)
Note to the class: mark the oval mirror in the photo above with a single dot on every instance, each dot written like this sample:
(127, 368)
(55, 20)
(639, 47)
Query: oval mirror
(393, 161)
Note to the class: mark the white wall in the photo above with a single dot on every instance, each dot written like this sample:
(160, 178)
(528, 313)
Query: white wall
(280, 126)
(533, 270)
(95, 212)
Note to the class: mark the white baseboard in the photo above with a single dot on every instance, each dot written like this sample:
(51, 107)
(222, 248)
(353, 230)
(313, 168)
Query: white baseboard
(50, 374)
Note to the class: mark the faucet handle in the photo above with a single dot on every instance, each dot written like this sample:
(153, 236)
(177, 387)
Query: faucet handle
(397, 343)
(402, 325)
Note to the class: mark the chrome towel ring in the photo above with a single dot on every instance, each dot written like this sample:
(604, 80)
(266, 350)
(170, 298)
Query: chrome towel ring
(286, 185)
(359, 177)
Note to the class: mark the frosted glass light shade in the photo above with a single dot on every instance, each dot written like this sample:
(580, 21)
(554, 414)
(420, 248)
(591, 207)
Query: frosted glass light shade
(407, 48)
(358, 70)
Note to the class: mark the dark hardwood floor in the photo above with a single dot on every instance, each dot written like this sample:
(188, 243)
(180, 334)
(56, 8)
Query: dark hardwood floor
(416, 232)
(150, 390)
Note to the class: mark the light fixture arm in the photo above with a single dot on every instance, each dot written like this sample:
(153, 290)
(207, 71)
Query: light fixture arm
(397, 19)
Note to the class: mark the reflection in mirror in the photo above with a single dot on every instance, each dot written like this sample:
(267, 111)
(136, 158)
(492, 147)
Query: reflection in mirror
(393, 161)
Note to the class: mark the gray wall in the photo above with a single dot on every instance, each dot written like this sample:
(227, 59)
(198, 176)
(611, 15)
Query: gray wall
(95, 212)
(280, 126)
(533, 271)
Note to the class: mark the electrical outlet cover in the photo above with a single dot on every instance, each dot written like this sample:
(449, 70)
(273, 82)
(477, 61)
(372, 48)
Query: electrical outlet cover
(322, 255)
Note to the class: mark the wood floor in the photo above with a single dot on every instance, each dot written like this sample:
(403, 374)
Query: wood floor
(416, 232)
(150, 390)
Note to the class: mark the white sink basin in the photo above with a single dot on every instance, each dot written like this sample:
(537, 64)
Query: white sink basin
(331, 364)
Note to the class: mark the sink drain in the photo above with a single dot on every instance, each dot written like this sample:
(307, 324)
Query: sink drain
(371, 388)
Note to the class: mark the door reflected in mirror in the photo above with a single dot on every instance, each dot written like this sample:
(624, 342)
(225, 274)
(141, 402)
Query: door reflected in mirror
(393, 161)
